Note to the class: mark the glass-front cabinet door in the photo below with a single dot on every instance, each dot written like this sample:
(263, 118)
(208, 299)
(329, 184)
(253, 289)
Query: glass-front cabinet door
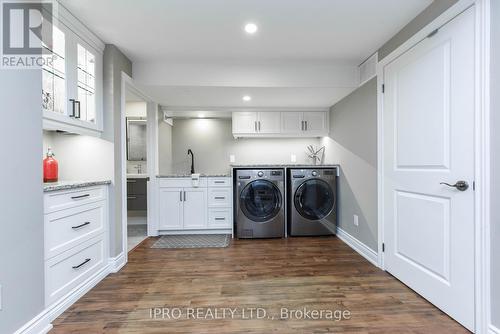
(72, 83)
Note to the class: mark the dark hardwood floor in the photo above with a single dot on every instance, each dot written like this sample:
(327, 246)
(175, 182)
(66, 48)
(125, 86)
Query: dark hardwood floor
(316, 273)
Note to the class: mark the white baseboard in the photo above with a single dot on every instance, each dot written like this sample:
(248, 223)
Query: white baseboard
(41, 324)
(116, 263)
(493, 330)
(38, 325)
(358, 246)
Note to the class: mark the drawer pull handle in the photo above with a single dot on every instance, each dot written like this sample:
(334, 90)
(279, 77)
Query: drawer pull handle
(80, 226)
(219, 197)
(131, 197)
(220, 218)
(219, 182)
(81, 196)
(81, 264)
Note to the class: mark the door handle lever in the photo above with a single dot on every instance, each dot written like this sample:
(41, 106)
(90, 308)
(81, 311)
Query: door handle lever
(460, 185)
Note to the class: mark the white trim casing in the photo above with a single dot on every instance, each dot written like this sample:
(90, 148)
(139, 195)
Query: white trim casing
(482, 148)
(116, 263)
(493, 330)
(358, 246)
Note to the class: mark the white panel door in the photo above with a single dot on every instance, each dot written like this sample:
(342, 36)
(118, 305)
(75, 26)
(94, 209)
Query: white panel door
(195, 208)
(269, 122)
(171, 204)
(292, 122)
(245, 122)
(429, 139)
(315, 122)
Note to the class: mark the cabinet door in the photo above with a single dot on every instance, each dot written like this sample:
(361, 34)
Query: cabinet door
(291, 122)
(171, 205)
(244, 122)
(316, 123)
(195, 208)
(269, 122)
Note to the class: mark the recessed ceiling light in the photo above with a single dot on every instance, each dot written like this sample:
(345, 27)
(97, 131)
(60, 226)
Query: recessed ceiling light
(251, 28)
(247, 98)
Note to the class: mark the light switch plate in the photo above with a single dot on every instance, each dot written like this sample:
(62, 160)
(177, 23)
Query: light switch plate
(293, 158)
(232, 158)
(356, 220)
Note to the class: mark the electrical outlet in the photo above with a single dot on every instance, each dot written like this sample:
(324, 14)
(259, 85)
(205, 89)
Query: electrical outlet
(232, 158)
(293, 158)
(356, 220)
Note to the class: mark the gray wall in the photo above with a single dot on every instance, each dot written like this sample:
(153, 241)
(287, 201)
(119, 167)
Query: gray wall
(164, 146)
(21, 199)
(115, 62)
(495, 162)
(212, 142)
(353, 145)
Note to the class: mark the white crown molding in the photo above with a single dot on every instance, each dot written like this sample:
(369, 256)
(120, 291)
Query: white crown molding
(64, 16)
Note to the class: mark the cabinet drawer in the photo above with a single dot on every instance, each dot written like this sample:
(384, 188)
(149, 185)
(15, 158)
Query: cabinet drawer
(219, 218)
(137, 186)
(67, 228)
(219, 182)
(137, 202)
(60, 200)
(219, 197)
(182, 183)
(66, 271)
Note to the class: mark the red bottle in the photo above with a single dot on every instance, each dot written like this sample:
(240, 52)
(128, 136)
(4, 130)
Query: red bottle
(50, 167)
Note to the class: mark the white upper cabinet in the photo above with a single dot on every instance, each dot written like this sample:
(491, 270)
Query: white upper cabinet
(280, 124)
(72, 84)
(254, 123)
(291, 122)
(269, 122)
(316, 123)
(245, 122)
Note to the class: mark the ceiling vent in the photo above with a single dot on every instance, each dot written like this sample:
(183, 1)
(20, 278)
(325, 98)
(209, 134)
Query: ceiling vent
(368, 69)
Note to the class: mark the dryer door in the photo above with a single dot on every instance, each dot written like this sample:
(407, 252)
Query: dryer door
(314, 199)
(260, 200)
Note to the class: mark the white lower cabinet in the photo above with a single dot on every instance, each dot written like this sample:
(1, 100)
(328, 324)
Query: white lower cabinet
(185, 208)
(76, 240)
(171, 208)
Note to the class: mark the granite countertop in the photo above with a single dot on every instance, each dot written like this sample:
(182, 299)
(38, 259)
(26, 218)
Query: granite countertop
(65, 185)
(189, 175)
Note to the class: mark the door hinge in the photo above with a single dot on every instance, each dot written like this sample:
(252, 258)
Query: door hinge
(383, 88)
(432, 33)
(383, 247)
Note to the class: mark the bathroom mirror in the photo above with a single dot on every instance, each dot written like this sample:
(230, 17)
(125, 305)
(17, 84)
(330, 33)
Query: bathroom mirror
(136, 139)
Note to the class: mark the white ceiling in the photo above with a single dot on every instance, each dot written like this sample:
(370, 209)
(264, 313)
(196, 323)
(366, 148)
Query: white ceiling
(207, 35)
(213, 29)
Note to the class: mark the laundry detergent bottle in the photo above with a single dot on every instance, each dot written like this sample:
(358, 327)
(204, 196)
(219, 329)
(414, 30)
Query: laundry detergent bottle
(50, 167)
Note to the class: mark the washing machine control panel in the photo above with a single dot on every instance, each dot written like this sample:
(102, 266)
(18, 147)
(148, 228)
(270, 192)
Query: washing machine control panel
(314, 173)
(260, 174)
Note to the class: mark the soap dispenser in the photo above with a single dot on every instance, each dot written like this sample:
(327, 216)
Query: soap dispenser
(50, 167)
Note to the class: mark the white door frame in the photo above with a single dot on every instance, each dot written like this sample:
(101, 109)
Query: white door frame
(127, 83)
(482, 148)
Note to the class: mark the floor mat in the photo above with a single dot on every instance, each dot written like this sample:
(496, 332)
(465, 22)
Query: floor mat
(193, 241)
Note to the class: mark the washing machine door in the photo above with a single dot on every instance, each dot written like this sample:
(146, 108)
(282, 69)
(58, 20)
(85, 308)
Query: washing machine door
(260, 200)
(314, 199)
